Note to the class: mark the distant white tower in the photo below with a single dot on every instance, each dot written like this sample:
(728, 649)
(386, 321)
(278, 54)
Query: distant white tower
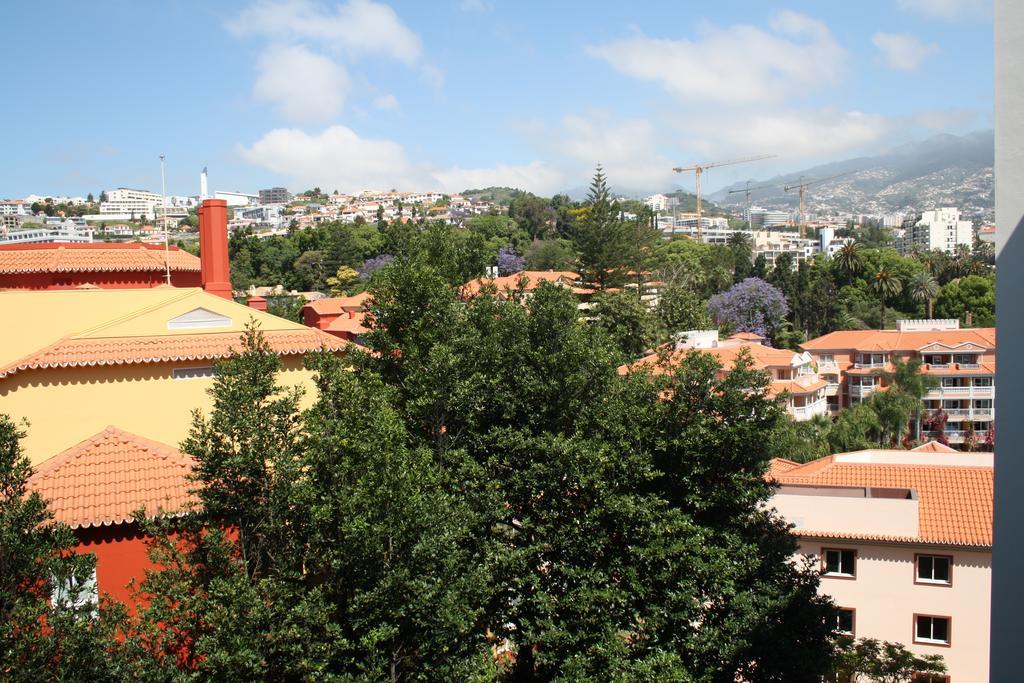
(204, 190)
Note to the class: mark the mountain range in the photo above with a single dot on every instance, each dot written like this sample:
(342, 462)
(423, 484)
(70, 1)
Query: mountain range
(943, 170)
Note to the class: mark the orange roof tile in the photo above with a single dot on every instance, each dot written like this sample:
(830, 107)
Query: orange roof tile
(351, 322)
(68, 352)
(94, 257)
(896, 340)
(106, 478)
(955, 502)
(934, 447)
(762, 356)
(780, 465)
(511, 282)
(336, 305)
(796, 386)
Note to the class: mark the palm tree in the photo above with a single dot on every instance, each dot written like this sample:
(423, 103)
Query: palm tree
(886, 286)
(924, 288)
(849, 259)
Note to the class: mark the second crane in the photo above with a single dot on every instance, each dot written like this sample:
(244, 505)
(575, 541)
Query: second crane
(700, 168)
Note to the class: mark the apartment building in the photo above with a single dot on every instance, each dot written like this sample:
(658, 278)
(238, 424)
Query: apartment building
(854, 363)
(275, 195)
(793, 377)
(904, 543)
(766, 218)
(15, 207)
(940, 229)
(128, 202)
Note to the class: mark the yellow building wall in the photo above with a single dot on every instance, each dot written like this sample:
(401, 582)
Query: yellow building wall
(65, 406)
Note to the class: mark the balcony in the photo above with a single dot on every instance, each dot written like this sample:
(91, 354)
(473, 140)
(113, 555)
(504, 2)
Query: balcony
(806, 412)
(868, 366)
(947, 392)
(832, 389)
(860, 391)
(957, 436)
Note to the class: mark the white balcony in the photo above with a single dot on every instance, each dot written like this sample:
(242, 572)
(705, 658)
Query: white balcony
(946, 392)
(831, 389)
(861, 391)
(806, 412)
(869, 366)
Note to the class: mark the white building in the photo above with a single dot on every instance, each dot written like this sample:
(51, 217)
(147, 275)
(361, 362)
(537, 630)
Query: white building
(766, 218)
(237, 198)
(15, 207)
(939, 229)
(657, 202)
(128, 202)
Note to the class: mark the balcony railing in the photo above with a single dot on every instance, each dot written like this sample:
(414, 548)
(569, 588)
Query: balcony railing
(806, 412)
(861, 390)
(865, 366)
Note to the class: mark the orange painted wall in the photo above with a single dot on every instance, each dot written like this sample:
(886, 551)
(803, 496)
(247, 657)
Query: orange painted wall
(120, 558)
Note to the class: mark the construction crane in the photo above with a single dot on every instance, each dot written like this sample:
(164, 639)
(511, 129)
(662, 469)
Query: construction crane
(802, 187)
(747, 190)
(700, 168)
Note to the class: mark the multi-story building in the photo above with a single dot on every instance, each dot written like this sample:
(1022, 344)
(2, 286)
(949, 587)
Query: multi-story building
(940, 229)
(275, 195)
(793, 376)
(15, 207)
(855, 364)
(236, 198)
(904, 543)
(657, 202)
(766, 218)
(128, 202)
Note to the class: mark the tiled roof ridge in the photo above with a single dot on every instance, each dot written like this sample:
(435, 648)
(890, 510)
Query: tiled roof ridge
(94, 258)
(886, 538)
(318, 340)
(71, 454)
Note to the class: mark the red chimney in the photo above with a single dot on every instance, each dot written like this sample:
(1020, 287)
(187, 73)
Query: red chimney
(213, 247)
(257, 302)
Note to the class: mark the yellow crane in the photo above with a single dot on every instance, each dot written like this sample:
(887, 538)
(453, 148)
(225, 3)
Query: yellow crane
(802, 187)
(747, 190)
(700, 168)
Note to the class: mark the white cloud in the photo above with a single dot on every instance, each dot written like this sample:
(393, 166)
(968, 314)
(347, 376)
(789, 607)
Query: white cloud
(738, 64)
(358, 27)
(304, 86)
(946, 119)
(789, 134)
(339, 157)
(386, 102)
(903, 51)
(628, 150)
(949, 10)
(433, 76)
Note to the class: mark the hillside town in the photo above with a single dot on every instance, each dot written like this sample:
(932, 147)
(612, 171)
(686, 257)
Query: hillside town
(378, 341)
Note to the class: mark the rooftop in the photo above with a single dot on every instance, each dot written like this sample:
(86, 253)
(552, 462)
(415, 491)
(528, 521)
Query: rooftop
(62, 328)
(105, 479)
(93, 257)
(900, 340)
(954, 490)
(532, 278)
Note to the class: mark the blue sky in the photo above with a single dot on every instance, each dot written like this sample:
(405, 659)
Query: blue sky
(452, 94)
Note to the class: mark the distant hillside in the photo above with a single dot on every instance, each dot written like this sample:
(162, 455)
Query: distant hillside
(944, 170)
(497, 195)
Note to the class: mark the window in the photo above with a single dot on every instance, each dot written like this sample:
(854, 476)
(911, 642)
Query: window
(950, 382)
(845, 619)
(70, 594)
(982, 381)
(934, 569)
(826, 358)
(838, 562)
(931, 630)
(192, 373)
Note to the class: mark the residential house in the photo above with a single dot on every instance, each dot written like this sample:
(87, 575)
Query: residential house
(793, 377)
(120, 266)
(903, 540)
(855, 364)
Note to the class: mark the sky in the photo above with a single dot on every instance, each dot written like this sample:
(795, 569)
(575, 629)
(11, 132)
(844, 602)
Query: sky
(454, 94)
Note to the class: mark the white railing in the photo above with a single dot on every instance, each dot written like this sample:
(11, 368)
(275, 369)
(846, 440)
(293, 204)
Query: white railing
(940, 392)
(806, 412)
(865, 366)
(861, 390)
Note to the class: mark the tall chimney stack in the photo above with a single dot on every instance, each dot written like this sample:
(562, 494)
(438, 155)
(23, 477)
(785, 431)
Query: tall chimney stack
(213, 247)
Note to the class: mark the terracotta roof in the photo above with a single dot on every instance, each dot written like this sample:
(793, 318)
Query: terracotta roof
(795, 386)
(955, 500)
(779, 466)
(763, 357)
(336, 305)
(106, 478)
(93, 257)
(351, 322)
(511, 282)
(68, 352)
(896, 340)
(934, 447)
(747, 336)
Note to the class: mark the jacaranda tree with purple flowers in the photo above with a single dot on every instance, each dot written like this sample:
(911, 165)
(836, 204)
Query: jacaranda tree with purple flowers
(751, 305)
(509, 261)
(372, 265)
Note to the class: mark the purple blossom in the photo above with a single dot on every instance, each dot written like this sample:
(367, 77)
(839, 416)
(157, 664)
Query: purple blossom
(372, 265)
(752, 305)
(508, 261)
